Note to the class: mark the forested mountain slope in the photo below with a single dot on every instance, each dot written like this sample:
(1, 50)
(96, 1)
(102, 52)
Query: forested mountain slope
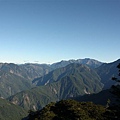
(15, 78)
(106, 71)
(9, 111)
(70, 81)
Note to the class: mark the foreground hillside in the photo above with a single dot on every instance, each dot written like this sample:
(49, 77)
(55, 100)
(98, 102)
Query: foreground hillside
(9, 111)
(72, 110)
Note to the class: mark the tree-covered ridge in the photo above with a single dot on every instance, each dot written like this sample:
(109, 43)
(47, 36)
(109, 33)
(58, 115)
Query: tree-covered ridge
(117, 79)
(72, 110)
(116, 91)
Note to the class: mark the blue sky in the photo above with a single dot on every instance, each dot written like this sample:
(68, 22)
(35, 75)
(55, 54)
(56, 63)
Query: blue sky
(53, 30)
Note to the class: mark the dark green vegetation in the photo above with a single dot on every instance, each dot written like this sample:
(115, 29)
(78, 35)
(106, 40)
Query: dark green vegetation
(115, 78)
(116, 92)
(72, 110)
(62, 83)
(9, 111)
(98, 98)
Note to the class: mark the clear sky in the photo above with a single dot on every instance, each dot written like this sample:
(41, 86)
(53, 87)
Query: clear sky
(48, 31)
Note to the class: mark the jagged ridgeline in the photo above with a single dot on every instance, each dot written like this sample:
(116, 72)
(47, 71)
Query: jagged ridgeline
(62, 83)
(87, 61)
(15, 78)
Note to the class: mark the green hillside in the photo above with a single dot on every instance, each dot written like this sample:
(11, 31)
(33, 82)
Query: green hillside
(9, 111)
(76, 70)
(11, 83)
(34, 99)
(15, 78)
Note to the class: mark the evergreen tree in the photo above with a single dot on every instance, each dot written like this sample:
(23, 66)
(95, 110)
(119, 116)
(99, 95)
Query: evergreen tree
(116, 92)
(116, 89)
(117, 79)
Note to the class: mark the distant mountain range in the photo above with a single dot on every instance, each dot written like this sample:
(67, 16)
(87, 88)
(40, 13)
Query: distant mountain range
(15, 78)
(32, 86)
(87, 61)
(62, 83)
